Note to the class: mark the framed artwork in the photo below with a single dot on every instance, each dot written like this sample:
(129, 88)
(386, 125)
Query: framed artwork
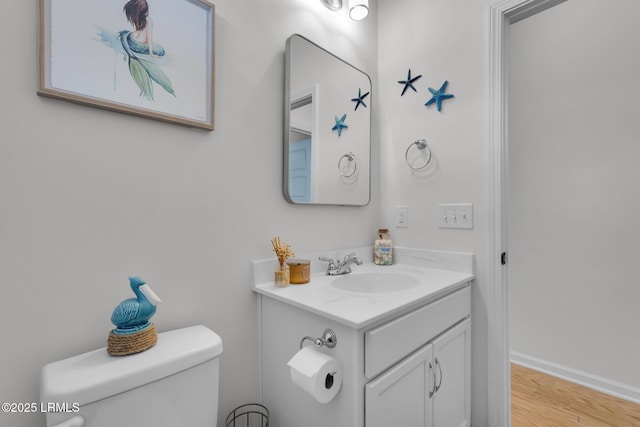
(149, 58)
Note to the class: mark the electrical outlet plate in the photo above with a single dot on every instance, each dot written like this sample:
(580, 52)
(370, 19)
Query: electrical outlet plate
(456, 216)
(402, 217)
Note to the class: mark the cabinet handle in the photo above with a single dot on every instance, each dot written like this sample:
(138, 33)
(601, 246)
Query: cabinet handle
(433, 374)
(440, 369)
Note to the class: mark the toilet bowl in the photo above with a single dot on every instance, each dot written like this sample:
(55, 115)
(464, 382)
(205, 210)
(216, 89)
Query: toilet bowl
(174, 383)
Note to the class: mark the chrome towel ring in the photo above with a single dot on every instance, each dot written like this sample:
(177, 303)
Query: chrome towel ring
(351, 158)
(421, 144)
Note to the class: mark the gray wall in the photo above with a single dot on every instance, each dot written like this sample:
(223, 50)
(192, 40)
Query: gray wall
(89, 197)
(575, 81)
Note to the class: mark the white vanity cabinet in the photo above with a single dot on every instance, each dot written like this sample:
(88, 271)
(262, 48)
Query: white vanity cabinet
(410, 369)
(404, 353)
(430, 387)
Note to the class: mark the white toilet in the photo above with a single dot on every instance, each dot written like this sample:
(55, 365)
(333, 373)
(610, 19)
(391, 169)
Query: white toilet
(174, 383)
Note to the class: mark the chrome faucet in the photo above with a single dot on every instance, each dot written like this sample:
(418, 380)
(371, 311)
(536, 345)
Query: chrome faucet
(341, 267)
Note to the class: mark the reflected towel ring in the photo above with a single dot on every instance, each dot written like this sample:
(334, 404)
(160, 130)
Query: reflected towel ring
(420, 144)
(351, 158)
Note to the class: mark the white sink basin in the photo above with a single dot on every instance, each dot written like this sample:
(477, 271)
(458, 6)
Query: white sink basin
(375, 282)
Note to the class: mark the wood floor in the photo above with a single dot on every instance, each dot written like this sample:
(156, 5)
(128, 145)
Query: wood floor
(540, 400)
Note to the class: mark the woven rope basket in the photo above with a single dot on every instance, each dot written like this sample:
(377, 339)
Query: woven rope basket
(122, 345)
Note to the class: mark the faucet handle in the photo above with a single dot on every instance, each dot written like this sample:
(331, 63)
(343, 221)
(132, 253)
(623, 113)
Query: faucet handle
(351, 255)
(332, 264)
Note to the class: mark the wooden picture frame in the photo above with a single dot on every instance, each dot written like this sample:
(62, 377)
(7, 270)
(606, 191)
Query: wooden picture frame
(149, 58)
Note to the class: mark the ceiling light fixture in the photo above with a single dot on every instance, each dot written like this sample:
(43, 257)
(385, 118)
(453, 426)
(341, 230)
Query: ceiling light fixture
(332, 4)
(358, 9)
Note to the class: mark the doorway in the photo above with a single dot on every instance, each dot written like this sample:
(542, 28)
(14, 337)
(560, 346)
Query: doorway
(503, 16)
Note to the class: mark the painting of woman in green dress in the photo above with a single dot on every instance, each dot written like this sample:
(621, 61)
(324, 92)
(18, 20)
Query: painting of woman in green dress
(140, 42)
(152, 58)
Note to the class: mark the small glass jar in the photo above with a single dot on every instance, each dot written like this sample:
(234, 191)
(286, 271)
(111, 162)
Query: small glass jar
(383, 248)
(281, 275)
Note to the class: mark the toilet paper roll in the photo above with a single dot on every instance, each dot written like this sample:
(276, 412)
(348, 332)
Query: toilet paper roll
(316, 373)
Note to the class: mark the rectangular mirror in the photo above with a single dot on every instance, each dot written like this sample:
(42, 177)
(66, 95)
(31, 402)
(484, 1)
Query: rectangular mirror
(327, 146)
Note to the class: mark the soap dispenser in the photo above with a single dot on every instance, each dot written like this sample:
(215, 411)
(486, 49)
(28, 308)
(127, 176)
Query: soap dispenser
(383, 248)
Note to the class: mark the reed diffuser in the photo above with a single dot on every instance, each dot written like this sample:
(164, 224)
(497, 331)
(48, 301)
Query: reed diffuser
(283, 252)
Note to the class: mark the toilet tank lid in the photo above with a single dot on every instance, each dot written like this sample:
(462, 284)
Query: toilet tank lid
(95, 375)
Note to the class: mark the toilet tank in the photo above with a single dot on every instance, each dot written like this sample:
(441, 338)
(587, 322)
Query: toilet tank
(174, 383)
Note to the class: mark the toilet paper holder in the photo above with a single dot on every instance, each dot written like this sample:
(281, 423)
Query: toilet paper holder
(328, 339)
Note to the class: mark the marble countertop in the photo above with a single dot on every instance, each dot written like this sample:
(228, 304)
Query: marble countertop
(438, 274)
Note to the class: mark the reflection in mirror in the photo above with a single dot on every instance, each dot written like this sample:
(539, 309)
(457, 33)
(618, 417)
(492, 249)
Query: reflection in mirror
(327, 128)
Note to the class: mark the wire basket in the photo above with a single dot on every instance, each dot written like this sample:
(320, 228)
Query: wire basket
(249, 415)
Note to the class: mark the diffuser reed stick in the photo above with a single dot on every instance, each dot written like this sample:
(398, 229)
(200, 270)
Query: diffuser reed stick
(283, 251)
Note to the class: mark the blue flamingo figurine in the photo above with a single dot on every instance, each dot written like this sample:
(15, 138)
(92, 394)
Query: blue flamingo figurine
(133, 314)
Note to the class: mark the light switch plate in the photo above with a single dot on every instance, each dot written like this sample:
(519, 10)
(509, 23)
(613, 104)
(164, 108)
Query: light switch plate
(458, 215)
(402, 216)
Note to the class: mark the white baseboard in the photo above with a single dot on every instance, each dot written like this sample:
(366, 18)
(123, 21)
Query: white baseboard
(604, 385)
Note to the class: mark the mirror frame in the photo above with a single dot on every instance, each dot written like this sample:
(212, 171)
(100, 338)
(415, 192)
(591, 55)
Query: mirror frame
(287, 126)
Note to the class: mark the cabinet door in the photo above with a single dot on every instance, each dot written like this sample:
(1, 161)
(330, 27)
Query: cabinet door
(401, 396)
(452, 363)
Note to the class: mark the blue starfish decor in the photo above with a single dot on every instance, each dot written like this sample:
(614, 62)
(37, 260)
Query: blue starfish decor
(360, 99)
(340, 124)
(439, 95)
(409, 82)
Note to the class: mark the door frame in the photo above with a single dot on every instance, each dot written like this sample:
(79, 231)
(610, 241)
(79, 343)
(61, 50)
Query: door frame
(502, 15)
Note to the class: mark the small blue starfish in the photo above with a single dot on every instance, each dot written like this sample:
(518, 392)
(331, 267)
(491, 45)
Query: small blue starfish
(360, 99)
(409, 82)
(439, 95)
(340, 124)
